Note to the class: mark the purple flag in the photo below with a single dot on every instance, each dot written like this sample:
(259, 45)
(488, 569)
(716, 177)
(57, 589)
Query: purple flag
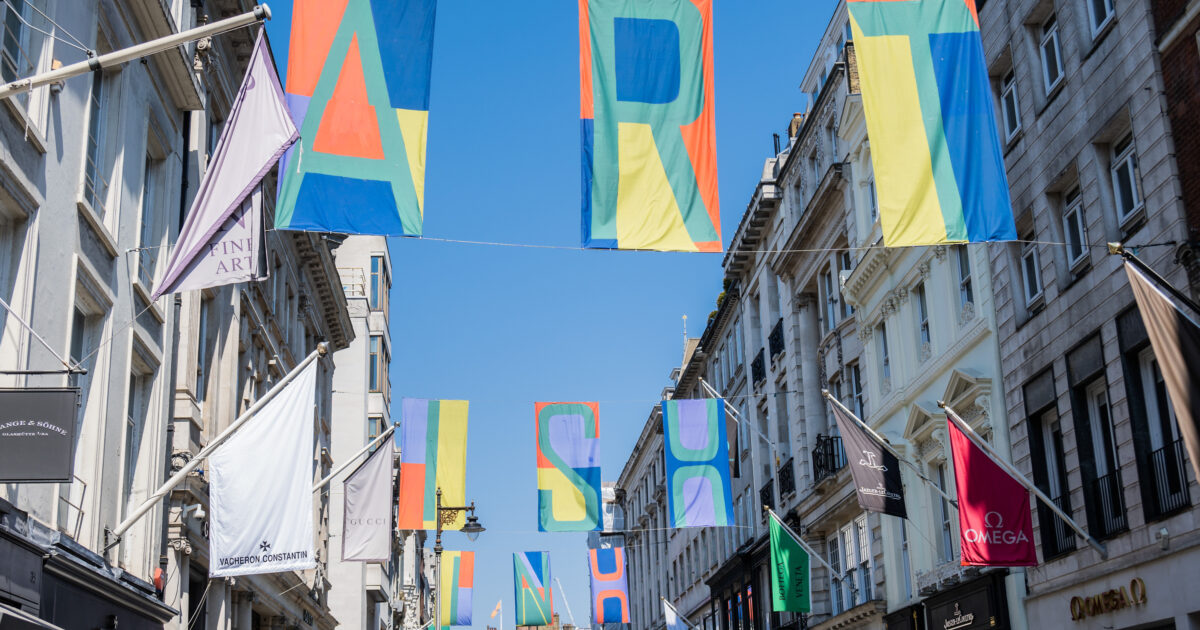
(216, 247)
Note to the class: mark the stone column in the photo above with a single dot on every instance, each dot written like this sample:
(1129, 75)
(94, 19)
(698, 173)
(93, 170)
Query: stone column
(816, 421)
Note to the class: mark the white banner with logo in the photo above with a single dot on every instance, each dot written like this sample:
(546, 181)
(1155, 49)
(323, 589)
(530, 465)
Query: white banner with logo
(367, 520)
(260, 488)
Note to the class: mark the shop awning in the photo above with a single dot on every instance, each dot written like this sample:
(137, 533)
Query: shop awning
(14, 619)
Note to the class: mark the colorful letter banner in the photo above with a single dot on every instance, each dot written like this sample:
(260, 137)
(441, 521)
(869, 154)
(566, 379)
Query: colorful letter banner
(568, 466)
(935, 146)
(433, 455)
(458, 580)
(534, 597)
(699, 490)
(993, 508)
(610, 587)
(648, 126)
(358, 88)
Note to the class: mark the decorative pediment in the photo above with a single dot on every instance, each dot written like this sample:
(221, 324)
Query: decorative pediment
(921, 422)
(969, 394)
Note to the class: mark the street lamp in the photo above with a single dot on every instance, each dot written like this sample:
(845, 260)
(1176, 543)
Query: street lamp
(445, 516)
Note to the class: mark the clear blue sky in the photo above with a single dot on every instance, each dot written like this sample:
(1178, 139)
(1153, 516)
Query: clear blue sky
(504, 327)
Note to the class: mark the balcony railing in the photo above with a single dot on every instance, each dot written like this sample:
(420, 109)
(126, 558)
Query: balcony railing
(766, 494)
(1170, 478)
(1057, 537)
(1107, 504)
(828, 457)
(758, 368)
(787, 478)
(775, 341)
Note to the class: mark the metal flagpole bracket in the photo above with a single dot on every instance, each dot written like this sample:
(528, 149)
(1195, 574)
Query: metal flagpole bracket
(1118, 249)
(800, 541)
(353, 458)
(987, 449)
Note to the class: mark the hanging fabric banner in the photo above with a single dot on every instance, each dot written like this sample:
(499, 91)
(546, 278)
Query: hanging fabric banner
(993, 508)
(676, 621)
(791, 571)
(221, 241)
(610, 585)
(648, 125)
(367, 517)
(1176, 342)
(433, 456)
(358, 87)
(699, 489)
(458, 580)
(927, 99)
(568, 466)
(876, 472)
(531, 580)
(261, 507)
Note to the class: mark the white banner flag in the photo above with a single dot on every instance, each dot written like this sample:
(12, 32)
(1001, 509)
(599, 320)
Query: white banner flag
(261, 488)
(367, 520)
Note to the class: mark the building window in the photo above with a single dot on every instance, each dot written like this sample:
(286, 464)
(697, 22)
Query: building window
(873, 200)
(375, 428)
(1049, 462)
(829, 299)
(1126, 179)
(1051, 51)
(856, 391)
(905, 562)
(1010, 105)
(1074, 228)
(1100, 12)
(379, 365)
(837, 602)
(1103, 489)
(381, 283)
(946, 549)
(844, 268)
(881, 347)
(831, 131)
(95, 184)
(922, 313)
(138, 407)
(965, 293)
(1031, 271)
(150, 238)
(22, 48)
(1165, 466)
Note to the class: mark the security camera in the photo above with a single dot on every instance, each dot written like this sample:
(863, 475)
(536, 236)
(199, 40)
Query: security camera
(198, 508)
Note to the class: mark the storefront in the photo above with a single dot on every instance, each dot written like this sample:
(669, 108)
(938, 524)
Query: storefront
(46, 575)
(980, 603)
(911, 618)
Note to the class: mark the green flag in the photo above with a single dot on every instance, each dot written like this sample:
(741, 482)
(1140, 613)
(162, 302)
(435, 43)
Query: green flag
(791, 572)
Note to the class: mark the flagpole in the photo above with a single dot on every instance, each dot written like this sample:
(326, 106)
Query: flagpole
(678, 615)
(353, 458)
(113, 537)
(800, 541)
(888, 447)
(1119, 250)
(737, 417)
(116, 58)
(1021, 479)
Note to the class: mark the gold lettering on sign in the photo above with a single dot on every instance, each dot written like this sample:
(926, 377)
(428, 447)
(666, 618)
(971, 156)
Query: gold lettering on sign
(1109, 601)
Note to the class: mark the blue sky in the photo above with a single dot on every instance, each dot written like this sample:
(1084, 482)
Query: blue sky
(504, 327)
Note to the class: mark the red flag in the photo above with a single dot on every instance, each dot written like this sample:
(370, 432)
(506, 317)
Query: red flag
(993, 509)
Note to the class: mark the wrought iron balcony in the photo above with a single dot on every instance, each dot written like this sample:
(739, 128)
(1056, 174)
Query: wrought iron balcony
(758, 368)
(775, 341)
(787, 478)
(828, 457)
(1107, 505)
(1169, 477)
(1057, 537)
(766, 494)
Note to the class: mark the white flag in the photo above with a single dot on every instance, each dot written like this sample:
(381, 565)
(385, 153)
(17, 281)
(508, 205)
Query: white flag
(221, 239)
(261, 488)
(672, 618)
(367, 519)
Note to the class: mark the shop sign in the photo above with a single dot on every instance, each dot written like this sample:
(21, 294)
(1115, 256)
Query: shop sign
(37, 434)
(1109, 601)
(967, 611)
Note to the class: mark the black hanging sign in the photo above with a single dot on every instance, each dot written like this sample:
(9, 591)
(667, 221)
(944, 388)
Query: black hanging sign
(37, 434)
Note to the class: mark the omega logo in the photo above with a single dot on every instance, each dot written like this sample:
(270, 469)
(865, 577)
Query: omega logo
(1109, 601)
(994, 532)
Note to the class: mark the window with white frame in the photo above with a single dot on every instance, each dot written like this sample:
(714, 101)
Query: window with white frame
(966, 294)
(844, 266)
(946, 549)
(850, 555)
(831, 131)
(153, 220)
(381, 283)
(1100, 12)
(1031, 271)
(873, 199)
(921, 305)
(1126, 178)
(905, 561)
(1163, 427)
(856, 391)
(829, 299)
(881, 349)
(24, 50)
(1074, 227)
(1010, 106)
(864, 581)
(1051, 52)
(1104, 443)
(838, 602)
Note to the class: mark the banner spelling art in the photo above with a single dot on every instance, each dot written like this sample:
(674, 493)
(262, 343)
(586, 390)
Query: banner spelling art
(358, 88)
(568, 466)
(367, 514)
(261, 517)
(927, 99)
(221, 241)
(458, 581)
(791, 571)
(531, 581)
(433, 456)
(610, 586)
(699, 490)
(648, 125)
(993, 508)
(876, 472)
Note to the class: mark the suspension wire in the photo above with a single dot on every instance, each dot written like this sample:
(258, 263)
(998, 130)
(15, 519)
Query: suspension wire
(77, 44)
